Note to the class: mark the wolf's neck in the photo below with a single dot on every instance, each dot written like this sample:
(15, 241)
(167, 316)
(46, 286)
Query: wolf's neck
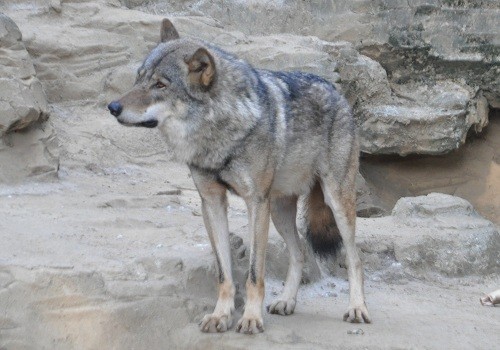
(209, 141)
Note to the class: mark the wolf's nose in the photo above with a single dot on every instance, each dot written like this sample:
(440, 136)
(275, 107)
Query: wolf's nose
(115, 108)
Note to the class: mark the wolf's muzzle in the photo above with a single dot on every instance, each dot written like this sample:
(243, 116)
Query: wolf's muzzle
(115, 108)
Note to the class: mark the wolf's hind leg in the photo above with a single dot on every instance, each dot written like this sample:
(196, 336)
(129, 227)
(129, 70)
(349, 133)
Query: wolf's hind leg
(342, 201)
(283, 213)
(214, 208)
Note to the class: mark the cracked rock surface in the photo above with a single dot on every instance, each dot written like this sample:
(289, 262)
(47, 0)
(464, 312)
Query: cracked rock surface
(28, 144)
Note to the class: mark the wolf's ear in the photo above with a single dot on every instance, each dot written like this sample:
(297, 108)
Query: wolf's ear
(168, 31)
(201, 68)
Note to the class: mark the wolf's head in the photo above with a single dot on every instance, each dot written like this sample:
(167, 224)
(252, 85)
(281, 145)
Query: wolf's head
(177, 75)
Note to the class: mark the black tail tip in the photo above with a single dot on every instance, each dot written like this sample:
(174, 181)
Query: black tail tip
(324, 246)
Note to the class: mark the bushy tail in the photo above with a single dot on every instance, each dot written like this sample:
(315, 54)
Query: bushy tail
(322, 231)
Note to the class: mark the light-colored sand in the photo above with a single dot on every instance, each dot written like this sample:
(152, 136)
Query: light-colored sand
(101, 261)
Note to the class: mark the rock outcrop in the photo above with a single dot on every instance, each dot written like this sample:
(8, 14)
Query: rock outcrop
(435, 46)
(28, 145)
(435, 234)
(405, 101)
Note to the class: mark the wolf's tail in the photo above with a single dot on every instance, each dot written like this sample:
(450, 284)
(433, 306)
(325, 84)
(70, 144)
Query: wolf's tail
(322, 231)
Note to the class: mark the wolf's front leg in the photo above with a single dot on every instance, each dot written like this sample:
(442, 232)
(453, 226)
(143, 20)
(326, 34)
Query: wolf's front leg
(258, 214)
(214, 207)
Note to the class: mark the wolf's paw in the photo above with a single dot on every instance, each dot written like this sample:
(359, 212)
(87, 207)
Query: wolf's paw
(214, 324)
(357, 314)
(250, 325)
(282, 307)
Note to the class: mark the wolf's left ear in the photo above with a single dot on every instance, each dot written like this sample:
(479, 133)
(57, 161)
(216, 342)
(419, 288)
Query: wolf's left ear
(168, 31)
(201, 68)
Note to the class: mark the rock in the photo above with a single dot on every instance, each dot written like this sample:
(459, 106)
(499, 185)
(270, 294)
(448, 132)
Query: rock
(437, 207)
(363, 80)
(28, 143)
(29, 154)
(119, 81)
(434, 234)
(416, 118)
(21, 96)
(409, 45)
(411, 40)
(418, 129)
(397, 99)
(368, 204)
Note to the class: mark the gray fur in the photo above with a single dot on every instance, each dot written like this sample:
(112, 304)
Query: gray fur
(264, 135)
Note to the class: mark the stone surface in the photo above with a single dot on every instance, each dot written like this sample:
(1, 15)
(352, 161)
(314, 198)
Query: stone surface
(21, 96)
(438, 234)
(73, 63)
(413, 44)
(423, 35)
(418, 129)
(29, 154)
(28, 143)
(411, 67)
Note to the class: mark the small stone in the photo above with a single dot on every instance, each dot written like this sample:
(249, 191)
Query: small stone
(357, 331)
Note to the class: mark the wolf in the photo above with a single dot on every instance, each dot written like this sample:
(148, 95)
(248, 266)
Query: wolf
(269, 137)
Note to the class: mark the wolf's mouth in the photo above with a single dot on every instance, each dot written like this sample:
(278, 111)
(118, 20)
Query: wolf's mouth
(152, 123)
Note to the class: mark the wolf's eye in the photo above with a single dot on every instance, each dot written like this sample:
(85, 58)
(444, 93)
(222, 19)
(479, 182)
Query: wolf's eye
(159, 85)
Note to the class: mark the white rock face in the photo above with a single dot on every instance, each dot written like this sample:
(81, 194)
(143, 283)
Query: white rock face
(450, 237)
(22, 101)
(28, 144)
(413, 46)
(93, 52)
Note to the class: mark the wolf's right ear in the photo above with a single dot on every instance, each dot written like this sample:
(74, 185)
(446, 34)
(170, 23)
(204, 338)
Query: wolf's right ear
(201, 68)
(168, 31)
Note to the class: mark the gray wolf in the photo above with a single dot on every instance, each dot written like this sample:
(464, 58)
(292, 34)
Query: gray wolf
(267, 136)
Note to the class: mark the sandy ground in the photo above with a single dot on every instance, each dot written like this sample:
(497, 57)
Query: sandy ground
(114, 255)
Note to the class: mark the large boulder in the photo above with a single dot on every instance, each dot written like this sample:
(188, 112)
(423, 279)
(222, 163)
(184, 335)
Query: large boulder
(437, 234)
(28, 146)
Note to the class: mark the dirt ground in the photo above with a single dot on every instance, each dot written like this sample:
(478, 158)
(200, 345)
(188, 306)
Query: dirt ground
(113, 255)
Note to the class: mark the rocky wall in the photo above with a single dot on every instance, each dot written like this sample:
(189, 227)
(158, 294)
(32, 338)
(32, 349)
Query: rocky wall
(28, 143)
